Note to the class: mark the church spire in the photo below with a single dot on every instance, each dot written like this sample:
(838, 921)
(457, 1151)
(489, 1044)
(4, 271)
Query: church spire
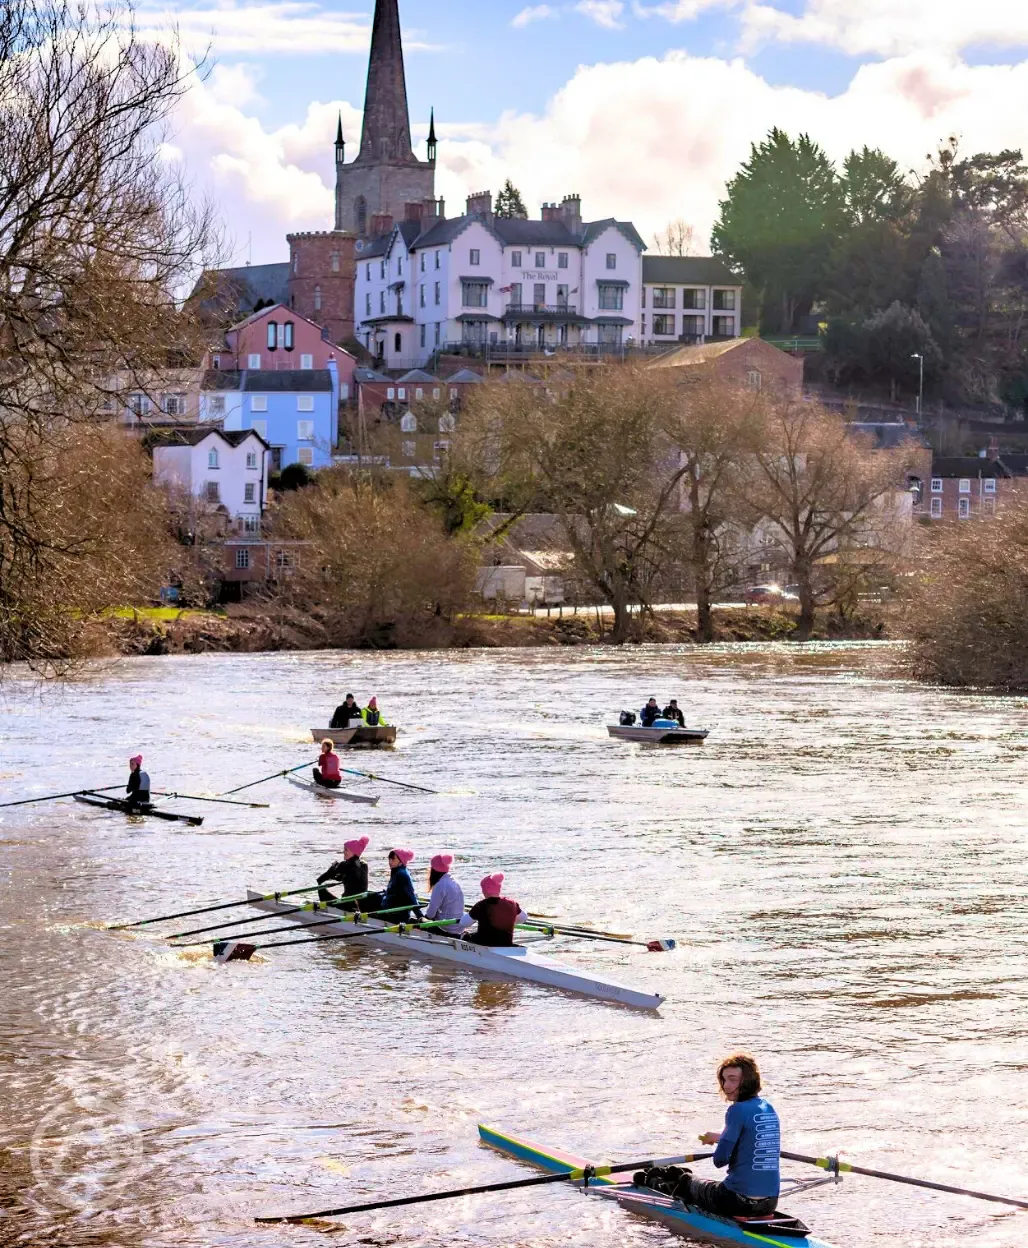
(386, 133)
(432, 144)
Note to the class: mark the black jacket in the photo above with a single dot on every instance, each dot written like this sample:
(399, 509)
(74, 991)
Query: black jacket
(345, 715)
(351, 873)
(674, 712)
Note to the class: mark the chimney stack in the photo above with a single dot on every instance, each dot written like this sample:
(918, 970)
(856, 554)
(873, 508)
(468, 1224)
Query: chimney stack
(381, 223)
(551, 212)
(993, 451)
(413, 211)
(480, 204)
(571, 211)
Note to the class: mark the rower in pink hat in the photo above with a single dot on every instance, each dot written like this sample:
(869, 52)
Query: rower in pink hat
(400, 897)
(495, 915)
(446, 900)
(138, 787)
(351, 871)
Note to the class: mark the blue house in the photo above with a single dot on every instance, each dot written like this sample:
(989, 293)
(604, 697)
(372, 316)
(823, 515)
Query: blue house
(296, 411)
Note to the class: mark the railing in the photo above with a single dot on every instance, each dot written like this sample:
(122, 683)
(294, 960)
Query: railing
(561, 309)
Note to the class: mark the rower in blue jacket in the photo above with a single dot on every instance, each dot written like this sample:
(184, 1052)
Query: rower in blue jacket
(399, 892)
(649, 713)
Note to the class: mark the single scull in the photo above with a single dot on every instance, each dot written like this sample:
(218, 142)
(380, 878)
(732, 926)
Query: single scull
(345, 795)
(149, 812)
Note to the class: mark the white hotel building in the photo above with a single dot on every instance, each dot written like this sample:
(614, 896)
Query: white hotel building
(481, 280)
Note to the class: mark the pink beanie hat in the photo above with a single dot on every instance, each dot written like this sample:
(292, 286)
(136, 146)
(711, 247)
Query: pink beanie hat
(404, 855)
(357, 847)
(136, 759)
(373, 702)
(442, 862)
(492, 884)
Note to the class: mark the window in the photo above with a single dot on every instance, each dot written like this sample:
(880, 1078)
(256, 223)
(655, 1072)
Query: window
(539, 295)
(174, 404)
(724, 301)
(251, 524)
(381, 270)
(401, 393)
(515, 259)
(692, 326)
(253, 361)
(260, 426)
(663, 324)
(305, 402)
(453, 392)
(335, 261)
(990, 485)
(421, 295)
(217, 361)
(562, 259)
(251, 459)
(663, 296)
(283, 559)
(317, 298)
(475, 257)
(753, 379)
(361, 215)
(399, 266)
(397, 343)
(306, 456)
(515, 295)
(936, 508)
(242, 558)
(438, 293)
(344, 390)
(408, 423)
(410, 449)
(381, 302)
(419, 393)
(642, 298)
(367, 304)
(272, 335)
(936, 485)
(306, 360)
(296, 262)
(446, 423)
(435, 392)
(965, 485)
(249, 492)
(438, 330)
(305, 430)
(424, 331)
(211, 493)
(963, 508)
(695, 299)
(540, 259)
(612, 298)
(989, 506)
(475, 294)
(437, 262)
(258, 402)
(422, 262)
(440, 449)
(722, 326)
(212, 458)
(367, 271)
(612, 260)
(288, 327)
(390, 392)
(216, 405)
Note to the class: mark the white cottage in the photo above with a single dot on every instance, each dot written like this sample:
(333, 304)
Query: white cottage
(226, 472)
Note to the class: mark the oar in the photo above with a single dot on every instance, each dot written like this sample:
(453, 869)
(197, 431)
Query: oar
(354, 917)
(585, 1176)
(192, 797)
(370, 775)
(834, 1166)
(654, 946)
(52, 797)
(274, 776)
(263, 918)
(225, 905)
(580, 927)
(228, 950)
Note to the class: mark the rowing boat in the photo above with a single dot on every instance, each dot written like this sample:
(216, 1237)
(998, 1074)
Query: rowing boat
(658, 736)
(345, 795)
(151, 812)
(518, 962)
(778, 1230)
(384, 734)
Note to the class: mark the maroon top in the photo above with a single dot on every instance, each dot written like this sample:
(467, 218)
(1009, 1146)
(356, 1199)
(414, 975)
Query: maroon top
(495, 917)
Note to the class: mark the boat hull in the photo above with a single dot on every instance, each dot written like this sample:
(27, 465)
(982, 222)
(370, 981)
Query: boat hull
(147, 812)
(519, 962)
(339, 795)
(695, 1224)
(385, 734)
(659, 736)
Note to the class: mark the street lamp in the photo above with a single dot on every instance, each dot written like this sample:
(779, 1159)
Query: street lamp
(920, 384)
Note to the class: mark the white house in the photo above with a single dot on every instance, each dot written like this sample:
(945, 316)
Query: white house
(227, 472)
(483, 281)
(689, 299)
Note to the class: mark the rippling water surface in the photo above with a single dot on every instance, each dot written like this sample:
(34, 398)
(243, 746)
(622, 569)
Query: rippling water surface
(843, 865)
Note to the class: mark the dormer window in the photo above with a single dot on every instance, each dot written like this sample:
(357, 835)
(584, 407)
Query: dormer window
(287, 335)
(272, 335)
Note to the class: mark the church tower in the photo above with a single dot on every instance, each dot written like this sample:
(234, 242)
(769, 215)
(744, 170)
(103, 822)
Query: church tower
(386, 179)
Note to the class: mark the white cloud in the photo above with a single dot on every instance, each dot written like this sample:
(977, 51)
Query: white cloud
(648, 141)
(888, 28)
(533, 13)
(681, 10)
(605, 13)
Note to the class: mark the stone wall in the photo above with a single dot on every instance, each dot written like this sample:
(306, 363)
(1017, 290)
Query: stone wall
(384, 188)
(321, 272)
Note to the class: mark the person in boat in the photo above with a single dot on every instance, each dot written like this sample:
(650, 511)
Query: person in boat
(351, 872)
(446, 899)
(138, 787)
(400, 896)
(495, 915)
(346, 713)
(649, 713)
(673, 711)
(327, 772)
(749, 1146)
(371, 716)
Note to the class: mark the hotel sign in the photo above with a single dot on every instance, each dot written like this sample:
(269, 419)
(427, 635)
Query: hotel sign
(530, 275)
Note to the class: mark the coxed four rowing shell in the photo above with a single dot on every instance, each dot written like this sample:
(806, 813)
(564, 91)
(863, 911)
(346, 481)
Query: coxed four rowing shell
(519, 962)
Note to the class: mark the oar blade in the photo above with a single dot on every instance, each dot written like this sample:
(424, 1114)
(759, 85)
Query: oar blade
(233, 951)
(660, 946)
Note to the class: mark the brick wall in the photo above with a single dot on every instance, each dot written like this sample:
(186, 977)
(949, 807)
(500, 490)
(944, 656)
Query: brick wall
(322, 264)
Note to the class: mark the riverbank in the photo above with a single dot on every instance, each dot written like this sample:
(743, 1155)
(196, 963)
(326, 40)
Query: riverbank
(248, 629)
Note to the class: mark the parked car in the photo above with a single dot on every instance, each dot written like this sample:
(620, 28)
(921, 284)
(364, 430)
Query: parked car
(768, 593)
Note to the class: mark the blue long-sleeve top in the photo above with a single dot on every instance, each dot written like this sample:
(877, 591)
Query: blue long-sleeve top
(749, 1146)
(399, 892)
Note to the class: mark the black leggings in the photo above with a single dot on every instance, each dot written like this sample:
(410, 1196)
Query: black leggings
(713, 1196)
(325, 784)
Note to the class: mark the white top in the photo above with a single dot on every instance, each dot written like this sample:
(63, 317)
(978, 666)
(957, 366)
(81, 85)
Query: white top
(446, 901)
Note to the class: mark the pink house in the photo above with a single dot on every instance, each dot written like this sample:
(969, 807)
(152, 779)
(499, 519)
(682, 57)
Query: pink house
(278, 338)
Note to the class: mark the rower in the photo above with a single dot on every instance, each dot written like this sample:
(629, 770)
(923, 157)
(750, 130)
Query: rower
(673, 711)
(749, 1146)
(649, 713)
(495, 915)
(347, 713)
(351, 871)
(371, 716)
(399, 891)
(327, 772)
(138, 787)
(446, 899)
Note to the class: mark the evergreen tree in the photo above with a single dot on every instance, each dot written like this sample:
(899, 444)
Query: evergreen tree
(509, 202)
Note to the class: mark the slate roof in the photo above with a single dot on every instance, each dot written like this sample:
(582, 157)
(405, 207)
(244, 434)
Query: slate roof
(245, 287)
(419, 374)
(969, 466)
(286, 380)
(374, 248)
(465, 375)
(193, 437)
(368, 376)
(220, 379)
(594, 229)
(687, 271)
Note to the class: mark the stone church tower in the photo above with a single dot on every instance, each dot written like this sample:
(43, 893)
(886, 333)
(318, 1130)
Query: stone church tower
(386, 177)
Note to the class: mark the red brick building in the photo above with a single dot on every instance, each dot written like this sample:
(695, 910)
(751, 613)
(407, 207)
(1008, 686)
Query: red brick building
(751, 362)
(966, 487)
(321, 279)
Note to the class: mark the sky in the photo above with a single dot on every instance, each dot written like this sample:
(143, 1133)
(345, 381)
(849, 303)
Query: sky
(645, 108)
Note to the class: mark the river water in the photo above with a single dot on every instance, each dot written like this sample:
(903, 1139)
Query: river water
(843, 865)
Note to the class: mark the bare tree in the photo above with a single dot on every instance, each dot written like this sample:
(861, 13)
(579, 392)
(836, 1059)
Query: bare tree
(676, 239)
(97, 240)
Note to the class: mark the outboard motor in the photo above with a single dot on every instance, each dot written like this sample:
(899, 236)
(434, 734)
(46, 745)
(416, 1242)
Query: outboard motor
(627, 719)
